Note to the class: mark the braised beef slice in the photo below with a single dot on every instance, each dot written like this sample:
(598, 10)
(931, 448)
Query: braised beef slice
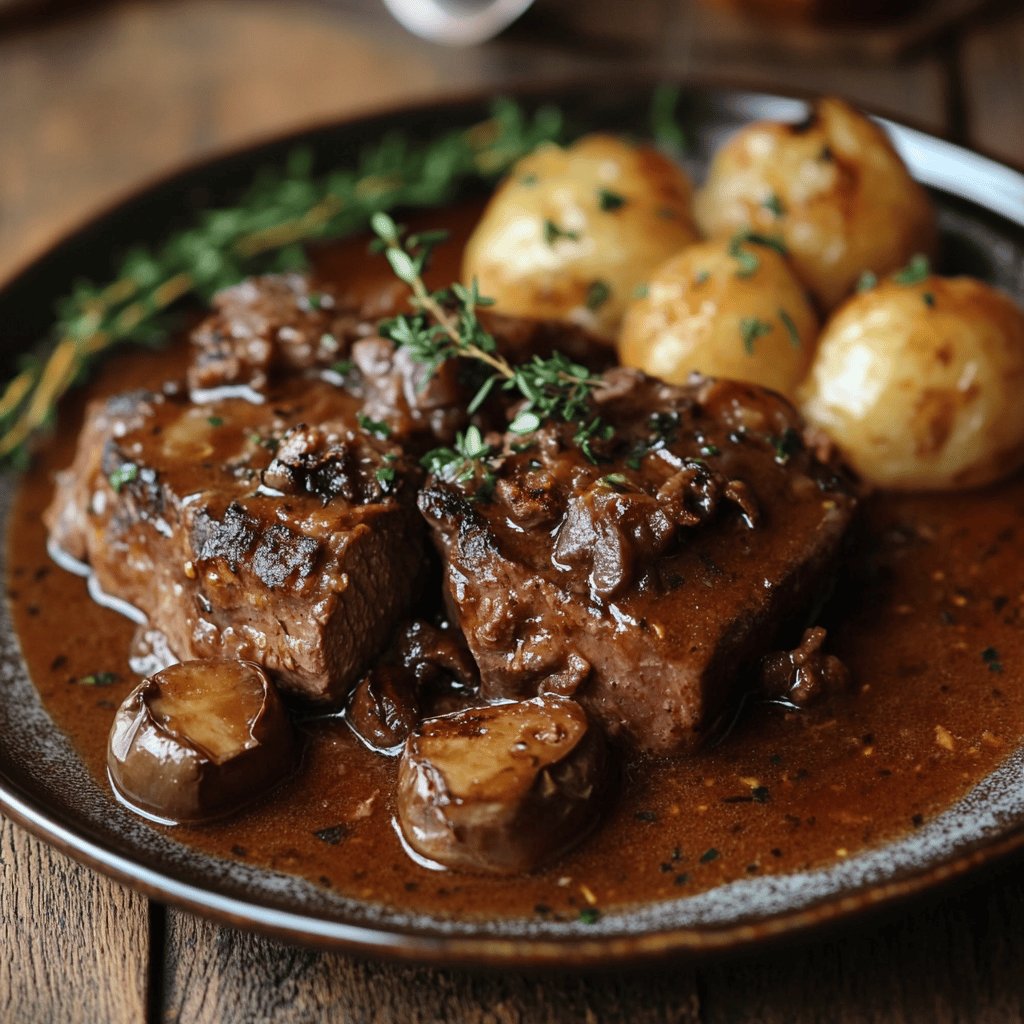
(242, 531)
(647, 583)
(275, 325)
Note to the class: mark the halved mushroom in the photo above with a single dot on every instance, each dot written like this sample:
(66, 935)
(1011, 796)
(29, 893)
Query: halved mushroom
(503, 788)
(198, 740)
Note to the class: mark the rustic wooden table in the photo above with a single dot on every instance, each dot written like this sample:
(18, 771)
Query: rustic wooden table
(93, 104)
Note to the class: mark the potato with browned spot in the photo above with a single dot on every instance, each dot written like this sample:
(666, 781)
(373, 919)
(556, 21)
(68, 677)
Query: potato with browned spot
(573, 231)
(919, 381)
(731, 310)
(832, 188)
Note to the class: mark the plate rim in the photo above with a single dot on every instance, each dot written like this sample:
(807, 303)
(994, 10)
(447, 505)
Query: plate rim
(408, 944)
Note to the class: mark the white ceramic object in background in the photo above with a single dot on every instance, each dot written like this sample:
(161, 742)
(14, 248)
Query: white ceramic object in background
(457, 22)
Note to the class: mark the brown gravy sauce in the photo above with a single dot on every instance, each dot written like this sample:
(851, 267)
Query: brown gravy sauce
(931, 631)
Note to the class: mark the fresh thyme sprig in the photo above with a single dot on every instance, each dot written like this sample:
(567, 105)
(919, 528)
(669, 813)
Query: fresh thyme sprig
(444, 326)
(265, 231)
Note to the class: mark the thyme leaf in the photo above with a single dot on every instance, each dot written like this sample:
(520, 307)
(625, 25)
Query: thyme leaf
(752, 328)
(552, 233)
(610, 201)
(787, 322)
(375, 427)
(598, 293)
(915, 271)
(748, 261)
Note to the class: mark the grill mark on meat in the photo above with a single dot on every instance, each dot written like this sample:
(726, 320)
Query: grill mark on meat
(275, 554)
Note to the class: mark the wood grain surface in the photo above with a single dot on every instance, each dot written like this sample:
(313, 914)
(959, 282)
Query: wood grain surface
(75, 946)
(93, 105)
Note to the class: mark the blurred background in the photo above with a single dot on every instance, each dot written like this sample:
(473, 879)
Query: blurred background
(97, 98)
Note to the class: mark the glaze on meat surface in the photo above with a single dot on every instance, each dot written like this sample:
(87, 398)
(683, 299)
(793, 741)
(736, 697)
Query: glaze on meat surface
(643, 582)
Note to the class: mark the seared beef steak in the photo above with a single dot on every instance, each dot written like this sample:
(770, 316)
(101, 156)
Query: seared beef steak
(644, 584)
(241, 532)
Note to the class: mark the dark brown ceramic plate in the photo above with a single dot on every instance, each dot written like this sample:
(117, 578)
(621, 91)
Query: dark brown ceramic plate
(44, 786)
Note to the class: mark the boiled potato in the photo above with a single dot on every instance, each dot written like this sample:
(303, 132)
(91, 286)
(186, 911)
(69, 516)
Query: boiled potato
(919, 384)
(573, 231)
(727, 310)
(832, 188)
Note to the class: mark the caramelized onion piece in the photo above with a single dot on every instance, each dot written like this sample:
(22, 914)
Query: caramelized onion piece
(199, 739)
(503, 788)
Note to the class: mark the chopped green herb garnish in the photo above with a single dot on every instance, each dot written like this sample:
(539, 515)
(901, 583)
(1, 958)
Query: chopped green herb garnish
(610, 201)
(552, 232)
(929, 299)
(376, 427)
(773, 204)
(786, 445)
(787, 322)
(215, 421)
(98, 679)
(525, 423)
(385, 476)
(709, 855)
(748, 261)
(867, 280)
(590, 915)
(617, 481)
(710, 449)
(751, 328)
(702, 277)
(343, 367)
(316, 300)
(124, 474)
(598, 294)
(916, 271)
(529, 180)
(641, 291)
(468, 460)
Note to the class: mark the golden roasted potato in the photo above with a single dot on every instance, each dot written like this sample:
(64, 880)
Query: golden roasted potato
(832, 188)
(727, 310)
(573, 231)
(919, 383)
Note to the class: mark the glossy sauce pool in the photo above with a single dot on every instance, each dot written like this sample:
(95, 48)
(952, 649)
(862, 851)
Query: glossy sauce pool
(931, 627)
